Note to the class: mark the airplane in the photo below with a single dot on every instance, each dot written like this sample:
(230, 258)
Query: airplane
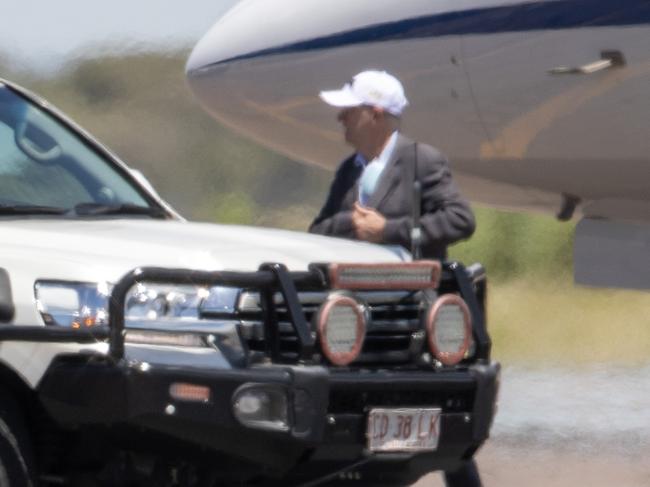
(539, 105)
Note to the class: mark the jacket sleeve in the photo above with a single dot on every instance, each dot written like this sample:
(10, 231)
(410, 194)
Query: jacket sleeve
(445, 216)
(334, 219)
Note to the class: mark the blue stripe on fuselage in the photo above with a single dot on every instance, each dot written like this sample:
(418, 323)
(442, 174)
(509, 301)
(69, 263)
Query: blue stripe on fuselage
(562, 14)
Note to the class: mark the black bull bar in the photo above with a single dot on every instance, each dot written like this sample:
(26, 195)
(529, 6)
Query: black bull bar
(269, 279)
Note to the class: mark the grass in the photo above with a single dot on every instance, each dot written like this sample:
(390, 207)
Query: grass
(554, 322)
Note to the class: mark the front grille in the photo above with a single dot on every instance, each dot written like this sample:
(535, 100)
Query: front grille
(394, 335)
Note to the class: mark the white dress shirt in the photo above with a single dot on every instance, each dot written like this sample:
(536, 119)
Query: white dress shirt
(373, 169)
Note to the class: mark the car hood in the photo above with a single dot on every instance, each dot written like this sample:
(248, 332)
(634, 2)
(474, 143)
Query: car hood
(108, 248)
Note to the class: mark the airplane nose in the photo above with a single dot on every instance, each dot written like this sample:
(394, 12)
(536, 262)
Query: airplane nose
(250, 28)
(229, 38)
(259, 69)
(199, 57)
(210, 50)
(253, 28)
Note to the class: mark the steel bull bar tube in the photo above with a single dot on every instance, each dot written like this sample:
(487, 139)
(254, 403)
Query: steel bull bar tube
(270, 277)
(456, 272)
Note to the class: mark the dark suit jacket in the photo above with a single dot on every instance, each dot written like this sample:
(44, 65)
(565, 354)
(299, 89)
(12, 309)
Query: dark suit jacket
(445, 216)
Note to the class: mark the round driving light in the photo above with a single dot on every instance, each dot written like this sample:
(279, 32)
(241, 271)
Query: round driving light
(341, 328)
(251, 403)
(262, 407)
(449, 329)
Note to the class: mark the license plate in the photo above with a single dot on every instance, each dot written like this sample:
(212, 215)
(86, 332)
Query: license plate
(405, 429)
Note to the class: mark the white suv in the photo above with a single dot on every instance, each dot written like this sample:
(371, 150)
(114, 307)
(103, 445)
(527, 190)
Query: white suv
(140, 349)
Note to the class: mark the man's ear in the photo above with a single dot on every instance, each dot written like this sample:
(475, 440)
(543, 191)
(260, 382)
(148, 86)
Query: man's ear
(378, 113)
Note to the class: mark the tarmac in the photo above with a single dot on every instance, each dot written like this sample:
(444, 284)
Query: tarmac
(568, 427)
(507, 467)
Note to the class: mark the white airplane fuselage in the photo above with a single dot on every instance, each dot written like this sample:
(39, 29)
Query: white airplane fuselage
(539, 105)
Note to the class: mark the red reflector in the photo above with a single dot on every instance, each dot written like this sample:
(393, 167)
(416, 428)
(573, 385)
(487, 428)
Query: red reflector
(189, 392)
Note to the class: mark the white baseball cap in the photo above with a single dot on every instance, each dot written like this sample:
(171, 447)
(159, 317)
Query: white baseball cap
(374, 88)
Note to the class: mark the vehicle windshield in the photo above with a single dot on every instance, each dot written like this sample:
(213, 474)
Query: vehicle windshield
(47, 168)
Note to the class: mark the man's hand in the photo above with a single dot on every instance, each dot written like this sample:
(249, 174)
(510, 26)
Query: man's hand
(368, 224)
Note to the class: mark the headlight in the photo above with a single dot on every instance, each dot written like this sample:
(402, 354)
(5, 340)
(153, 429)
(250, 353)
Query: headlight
(149, 302)
(84, 305)
(72, 304)
(341, 328)
(449, 328)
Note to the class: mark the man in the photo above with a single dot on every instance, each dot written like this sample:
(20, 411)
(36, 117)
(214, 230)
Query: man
(372, 195)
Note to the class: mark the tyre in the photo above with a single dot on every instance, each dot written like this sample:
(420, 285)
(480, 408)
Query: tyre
(466, 476)
(15, 451)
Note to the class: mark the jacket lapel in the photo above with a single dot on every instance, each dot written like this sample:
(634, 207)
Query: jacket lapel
(391, 174)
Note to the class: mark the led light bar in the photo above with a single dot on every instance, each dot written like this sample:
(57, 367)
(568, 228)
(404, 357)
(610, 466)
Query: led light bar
(404, 275)
(165, 338)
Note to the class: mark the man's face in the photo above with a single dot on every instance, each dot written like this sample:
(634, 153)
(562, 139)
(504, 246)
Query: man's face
(358, 123)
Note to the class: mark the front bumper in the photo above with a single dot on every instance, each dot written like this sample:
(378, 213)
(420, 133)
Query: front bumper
(328, 409)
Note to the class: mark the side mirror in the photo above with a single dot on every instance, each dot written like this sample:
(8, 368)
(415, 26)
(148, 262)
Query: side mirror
(6, 301)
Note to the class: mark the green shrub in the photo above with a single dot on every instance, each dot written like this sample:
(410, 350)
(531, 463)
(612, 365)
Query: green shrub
(514, 245)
